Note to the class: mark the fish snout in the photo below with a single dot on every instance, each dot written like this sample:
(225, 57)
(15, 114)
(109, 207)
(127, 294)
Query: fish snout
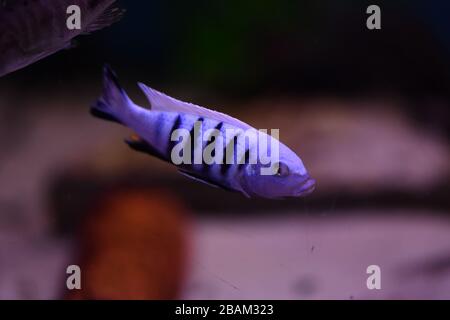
(307, 186)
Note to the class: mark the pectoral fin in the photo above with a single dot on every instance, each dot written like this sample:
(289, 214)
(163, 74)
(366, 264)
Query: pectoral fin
(197, 178)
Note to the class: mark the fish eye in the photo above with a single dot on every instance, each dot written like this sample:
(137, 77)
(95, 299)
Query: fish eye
(283, 170)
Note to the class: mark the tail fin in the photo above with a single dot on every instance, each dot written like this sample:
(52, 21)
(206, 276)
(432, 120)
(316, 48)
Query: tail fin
(114, 101)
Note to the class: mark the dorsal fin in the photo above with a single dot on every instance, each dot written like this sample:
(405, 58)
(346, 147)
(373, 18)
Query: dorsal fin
(162, 102)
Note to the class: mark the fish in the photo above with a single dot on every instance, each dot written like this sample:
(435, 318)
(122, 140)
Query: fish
(31, 30)
(285, 176)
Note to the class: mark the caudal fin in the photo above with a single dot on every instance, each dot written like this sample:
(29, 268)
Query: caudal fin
(114, 101)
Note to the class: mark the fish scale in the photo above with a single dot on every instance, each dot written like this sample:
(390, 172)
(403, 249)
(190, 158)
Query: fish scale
(165, 123)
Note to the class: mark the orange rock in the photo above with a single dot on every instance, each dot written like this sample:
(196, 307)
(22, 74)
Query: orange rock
(133, 246)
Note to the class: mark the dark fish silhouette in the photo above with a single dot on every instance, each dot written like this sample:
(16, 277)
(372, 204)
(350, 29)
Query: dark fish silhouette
(31, 30)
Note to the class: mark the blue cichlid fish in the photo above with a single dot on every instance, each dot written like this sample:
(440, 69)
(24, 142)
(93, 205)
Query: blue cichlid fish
(155, 129)
(31, 30)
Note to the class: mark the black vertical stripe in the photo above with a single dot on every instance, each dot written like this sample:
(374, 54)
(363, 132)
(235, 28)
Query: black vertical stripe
(213, 152)
(225, 167)
(217, 127)
(206, 168)
(246, 159)
(194, 138)
(176, 125)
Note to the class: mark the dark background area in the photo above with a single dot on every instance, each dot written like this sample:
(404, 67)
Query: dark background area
(238, 49)
(249, 47)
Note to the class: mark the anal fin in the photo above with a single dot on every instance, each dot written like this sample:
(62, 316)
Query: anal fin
(137, 143)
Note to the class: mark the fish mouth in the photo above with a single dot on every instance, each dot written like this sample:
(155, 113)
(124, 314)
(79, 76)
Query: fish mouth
(306, 187)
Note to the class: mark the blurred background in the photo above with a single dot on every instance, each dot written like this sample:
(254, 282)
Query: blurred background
(367, 110)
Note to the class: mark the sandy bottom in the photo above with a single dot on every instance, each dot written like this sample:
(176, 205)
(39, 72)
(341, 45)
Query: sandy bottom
(321, 258)
(290, 257)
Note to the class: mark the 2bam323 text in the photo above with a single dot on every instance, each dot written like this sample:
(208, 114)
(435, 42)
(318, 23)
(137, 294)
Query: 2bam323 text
(226, 309)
